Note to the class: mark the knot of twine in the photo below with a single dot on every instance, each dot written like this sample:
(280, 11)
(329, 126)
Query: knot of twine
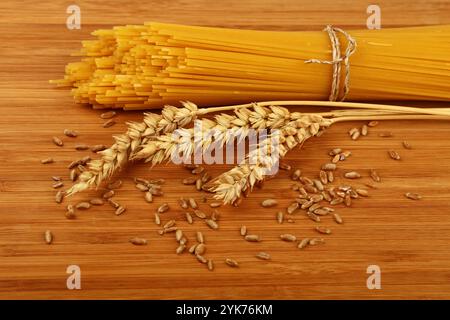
(338, 59)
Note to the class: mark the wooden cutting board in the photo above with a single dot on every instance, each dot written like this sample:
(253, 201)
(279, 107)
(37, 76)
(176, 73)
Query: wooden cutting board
(408, 240)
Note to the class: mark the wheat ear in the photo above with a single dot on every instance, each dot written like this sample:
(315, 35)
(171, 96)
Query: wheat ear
(229, 186)
(115, 157)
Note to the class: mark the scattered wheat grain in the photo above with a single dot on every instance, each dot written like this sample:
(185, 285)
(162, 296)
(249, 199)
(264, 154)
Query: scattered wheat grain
(138, 241)
(212, 224)
(57, 141)
(109, 123)
(288, 237)
(352, 175)
(120, 210)
(268, 203)
(263, 256)
(303, 243)
(413, 196)
(232, 263)
(394, 155)
(252, 238)
(48, 237)
(59, 196)
(108, 115)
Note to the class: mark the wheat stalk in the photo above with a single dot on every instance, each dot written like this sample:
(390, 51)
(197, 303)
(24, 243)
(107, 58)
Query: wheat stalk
(152, 140)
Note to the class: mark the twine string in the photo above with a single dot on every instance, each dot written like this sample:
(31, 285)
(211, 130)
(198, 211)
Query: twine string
(337, 60)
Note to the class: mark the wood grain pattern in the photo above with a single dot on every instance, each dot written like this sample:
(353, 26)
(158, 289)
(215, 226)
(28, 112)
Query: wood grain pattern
(408, 240)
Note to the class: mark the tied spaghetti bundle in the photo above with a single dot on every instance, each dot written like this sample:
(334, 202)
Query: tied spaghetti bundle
(148, 66)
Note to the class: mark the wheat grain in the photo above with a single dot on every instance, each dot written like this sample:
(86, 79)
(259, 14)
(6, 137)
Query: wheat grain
(192, 203)
(178, 235)
(183, 203)
(98, 147)
(337, 218)
(303, 243)
(352, 175)
(296, 174)
(180, 249)
(81, 147)
(290, 210)
(215, 204)
(70, 213)
(406, 145)
(47, 160)
(362, 192)
(113, 203)
(70, 133)
(120, 210)
(200, 214)
(108, 194)
(57, 141)
(232, 263)
(394, 155)
(108, 115)
(215, 215)
(263, 256)
(413, 196)
(59, 196)
(157, 219)
(288, 237)
(212, 224)
(163, 208)
(201, 259)
(385, 134)
(48, 237)
(329, 167)
(322, 230)
(316, 241)
(374, 175)
(83, 205)
(285, 166)
(58, 184)
(252, 238)
(192, 248)
(109, 123)
(189, 218)
(200, 249)
(138, 241)
(268, 203)
(96, 201)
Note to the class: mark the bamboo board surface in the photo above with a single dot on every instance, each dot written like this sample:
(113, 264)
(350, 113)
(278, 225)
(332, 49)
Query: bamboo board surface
(408, 240)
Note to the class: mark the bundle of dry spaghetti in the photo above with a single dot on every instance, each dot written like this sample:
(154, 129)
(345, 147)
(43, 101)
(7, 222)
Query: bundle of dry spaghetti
(148, 66)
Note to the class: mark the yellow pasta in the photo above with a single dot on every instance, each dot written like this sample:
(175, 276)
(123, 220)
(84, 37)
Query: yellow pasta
(147, 66)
